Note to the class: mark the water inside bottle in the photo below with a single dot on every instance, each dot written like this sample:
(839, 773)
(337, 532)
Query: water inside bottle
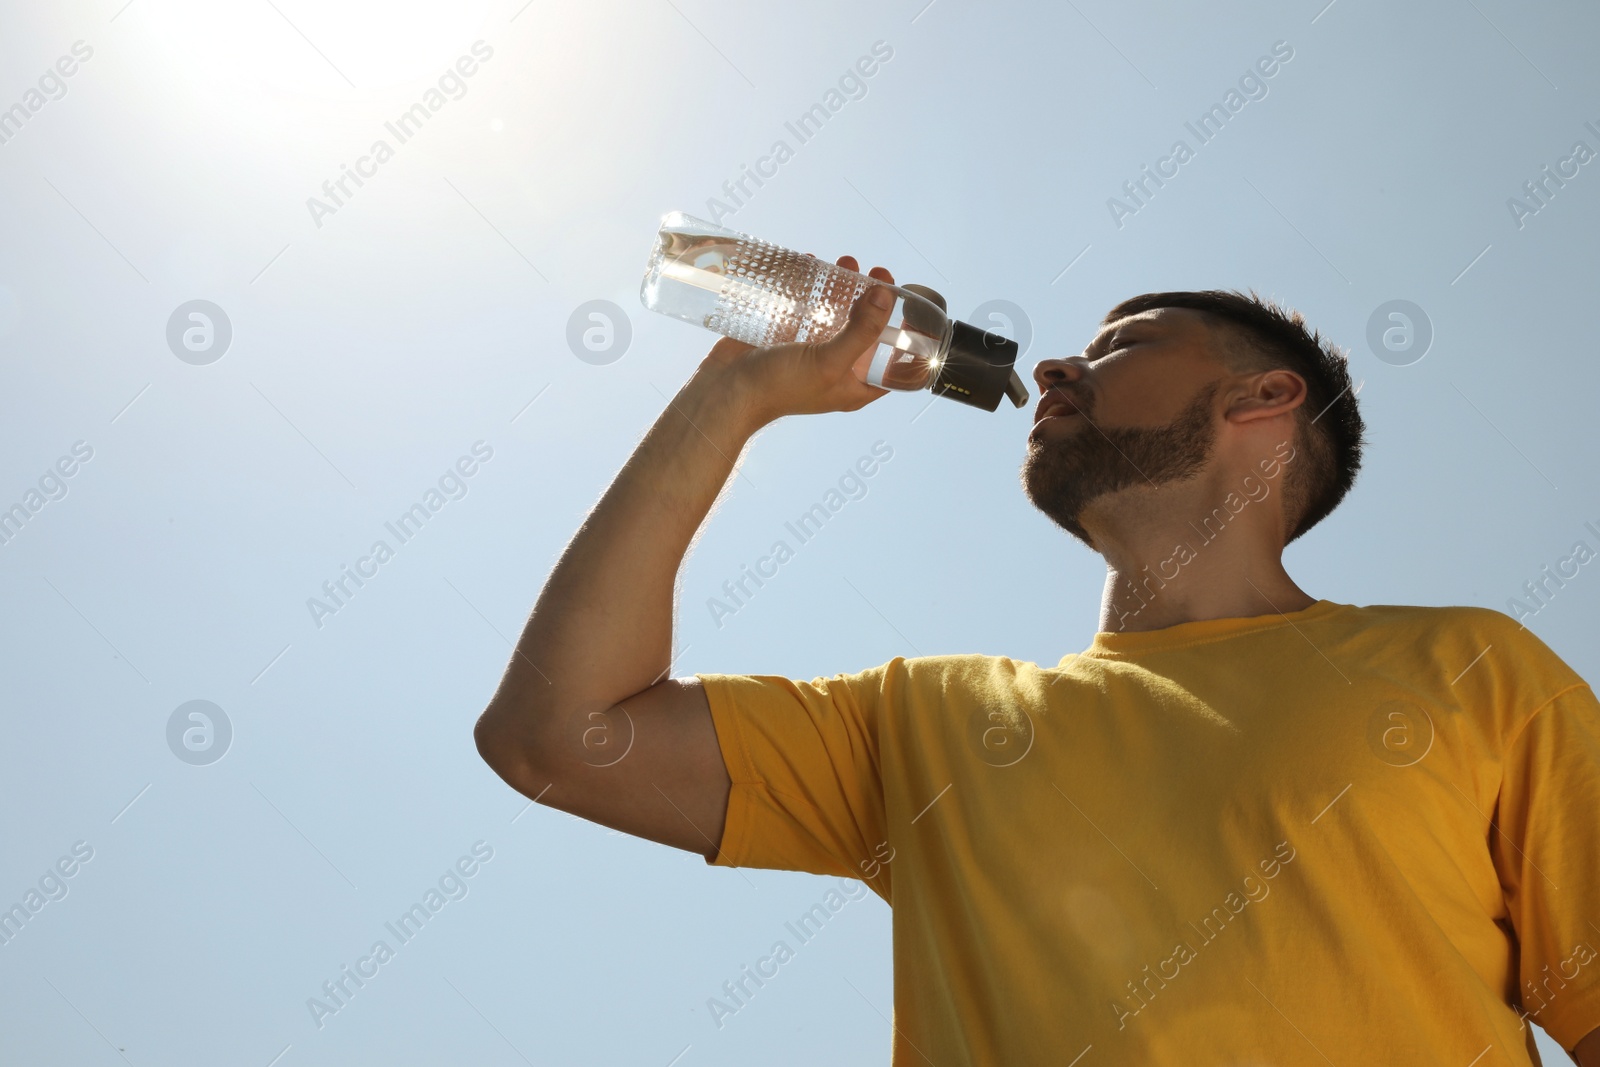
(765, 295)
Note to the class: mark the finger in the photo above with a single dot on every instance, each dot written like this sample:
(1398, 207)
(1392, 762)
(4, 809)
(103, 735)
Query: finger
(868, 317)
(859, 395)
(726, 350)
(849, 263)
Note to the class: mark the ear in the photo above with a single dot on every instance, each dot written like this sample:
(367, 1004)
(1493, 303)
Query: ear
(1265, 395)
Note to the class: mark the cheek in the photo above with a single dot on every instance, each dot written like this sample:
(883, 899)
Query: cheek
(1143, 392)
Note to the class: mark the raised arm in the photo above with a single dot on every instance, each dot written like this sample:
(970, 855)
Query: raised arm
(585, 718)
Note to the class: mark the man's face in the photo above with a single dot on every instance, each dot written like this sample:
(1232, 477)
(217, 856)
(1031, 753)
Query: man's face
(1136, 408)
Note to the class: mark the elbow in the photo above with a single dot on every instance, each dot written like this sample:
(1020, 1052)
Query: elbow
(504, 747)
(517, 741)
(485, 734)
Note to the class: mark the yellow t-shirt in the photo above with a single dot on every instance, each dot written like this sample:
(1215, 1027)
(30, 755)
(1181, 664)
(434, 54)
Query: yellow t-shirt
(1348, 835)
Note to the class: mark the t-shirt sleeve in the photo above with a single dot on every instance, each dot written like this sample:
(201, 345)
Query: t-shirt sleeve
(803, 757)
(1546, 846)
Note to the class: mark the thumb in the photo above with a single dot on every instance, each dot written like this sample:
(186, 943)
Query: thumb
(868, 317)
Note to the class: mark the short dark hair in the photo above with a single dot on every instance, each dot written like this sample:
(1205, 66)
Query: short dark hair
(1267, 336)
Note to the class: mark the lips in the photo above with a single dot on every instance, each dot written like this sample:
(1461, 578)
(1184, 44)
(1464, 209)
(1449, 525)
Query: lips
(1056, 402)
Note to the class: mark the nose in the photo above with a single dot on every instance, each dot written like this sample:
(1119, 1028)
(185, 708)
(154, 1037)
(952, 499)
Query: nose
(1049, 373)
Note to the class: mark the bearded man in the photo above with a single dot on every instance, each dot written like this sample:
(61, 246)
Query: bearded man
(1245, 825)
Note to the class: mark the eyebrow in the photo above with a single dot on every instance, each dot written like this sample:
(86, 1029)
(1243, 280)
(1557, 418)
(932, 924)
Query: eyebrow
(1097, 346)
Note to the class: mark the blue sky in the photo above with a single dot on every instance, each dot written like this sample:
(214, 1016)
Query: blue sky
(377, 339)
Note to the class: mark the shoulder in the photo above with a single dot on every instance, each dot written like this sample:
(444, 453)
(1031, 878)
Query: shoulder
(973, 674)
(1428, 618)
(1478, 656)
(897, 679)
(1448, 626)
(965, 665)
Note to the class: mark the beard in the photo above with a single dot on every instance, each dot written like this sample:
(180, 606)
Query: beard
(1063, 475)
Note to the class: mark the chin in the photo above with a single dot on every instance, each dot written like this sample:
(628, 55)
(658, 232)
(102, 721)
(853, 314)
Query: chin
(1043, 485)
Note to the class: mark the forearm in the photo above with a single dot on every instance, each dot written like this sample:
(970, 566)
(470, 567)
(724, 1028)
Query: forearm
(601, 629)
(600, 635)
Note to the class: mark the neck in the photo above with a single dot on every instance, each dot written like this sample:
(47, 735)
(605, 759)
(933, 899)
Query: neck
(1171, 561)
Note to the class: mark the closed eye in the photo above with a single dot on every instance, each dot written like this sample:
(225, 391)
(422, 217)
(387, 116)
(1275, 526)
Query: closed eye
(1117, 344)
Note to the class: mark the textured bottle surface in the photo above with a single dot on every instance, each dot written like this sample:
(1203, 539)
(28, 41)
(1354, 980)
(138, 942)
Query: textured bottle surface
(761, 294)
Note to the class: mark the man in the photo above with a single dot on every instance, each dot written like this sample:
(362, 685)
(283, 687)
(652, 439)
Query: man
(1246, 825)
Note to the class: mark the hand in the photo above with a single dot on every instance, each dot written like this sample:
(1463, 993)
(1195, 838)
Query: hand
(810, 378)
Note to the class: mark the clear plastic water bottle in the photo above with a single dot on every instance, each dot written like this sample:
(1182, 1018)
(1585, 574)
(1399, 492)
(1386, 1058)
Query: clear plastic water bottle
(755, 292)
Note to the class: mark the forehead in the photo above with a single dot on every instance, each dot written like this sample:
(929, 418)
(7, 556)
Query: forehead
(1167, 319)
(1178, 323)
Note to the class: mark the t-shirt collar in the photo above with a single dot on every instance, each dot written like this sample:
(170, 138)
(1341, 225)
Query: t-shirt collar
(1118, 645)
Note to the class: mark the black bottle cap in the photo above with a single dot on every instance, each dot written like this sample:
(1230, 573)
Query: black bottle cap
(979, 369)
